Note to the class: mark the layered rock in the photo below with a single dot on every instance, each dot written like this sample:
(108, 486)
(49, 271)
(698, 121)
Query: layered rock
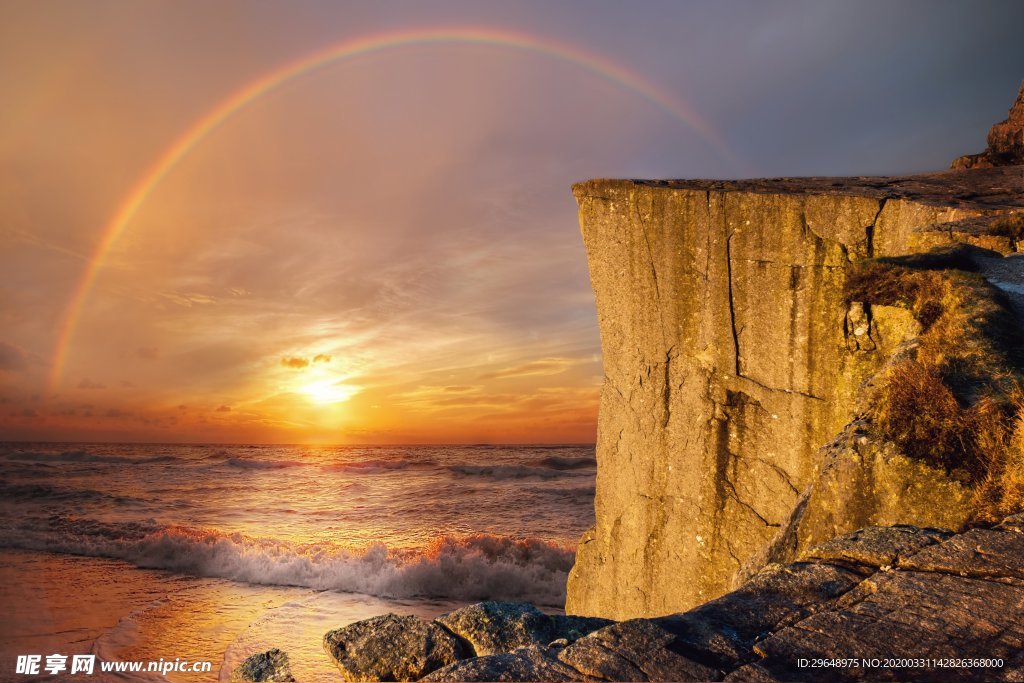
(392, 648)
(1005, 141)
(732, 357)
(400, 648)
(882, 603)
(264, 667)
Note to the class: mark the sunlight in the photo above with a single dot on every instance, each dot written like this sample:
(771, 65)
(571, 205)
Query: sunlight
(328, 391)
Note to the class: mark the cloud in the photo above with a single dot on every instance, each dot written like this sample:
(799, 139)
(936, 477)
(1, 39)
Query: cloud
(11, 357)
(224, 409)
(87, 383)
(126, 384)
(543, 366)
(295, 362)
(321, 358)
(148, 352)
(458, 389)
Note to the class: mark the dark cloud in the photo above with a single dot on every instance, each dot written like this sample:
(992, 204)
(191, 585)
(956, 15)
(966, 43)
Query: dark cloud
(126, 384)
(294, 362)
(321, 358)
(223, 409)
(148, 352)
(87, 383)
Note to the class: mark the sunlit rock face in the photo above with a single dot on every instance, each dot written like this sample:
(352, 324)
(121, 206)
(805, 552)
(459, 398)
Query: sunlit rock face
(731, 357)
(1005, 141)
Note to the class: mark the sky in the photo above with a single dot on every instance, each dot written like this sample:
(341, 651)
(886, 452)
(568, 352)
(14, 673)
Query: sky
(203, 240)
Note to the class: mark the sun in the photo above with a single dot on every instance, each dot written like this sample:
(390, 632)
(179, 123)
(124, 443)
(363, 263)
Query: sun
(328, 391)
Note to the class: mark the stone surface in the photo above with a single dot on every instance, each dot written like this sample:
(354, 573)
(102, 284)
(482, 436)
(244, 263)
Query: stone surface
(532, 663)
(864, 482)
(876, 546)
(724, 631)
(731, 358)
(498, 627)
(637, 650)
(1005, 141)
(391, 648)
(269, 666)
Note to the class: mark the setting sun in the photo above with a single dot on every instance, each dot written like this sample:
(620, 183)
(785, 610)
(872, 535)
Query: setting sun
(328, 391)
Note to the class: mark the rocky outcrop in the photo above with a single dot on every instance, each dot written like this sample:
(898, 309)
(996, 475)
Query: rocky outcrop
(493, 627)
(398, 648)
(269, 667)
(882, 603)
(392, 648)
(736, 370)
(1005, 141)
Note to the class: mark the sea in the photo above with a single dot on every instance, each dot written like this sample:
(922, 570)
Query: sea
(212, 553)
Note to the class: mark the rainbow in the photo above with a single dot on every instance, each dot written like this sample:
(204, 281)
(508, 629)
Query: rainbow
(266, 83)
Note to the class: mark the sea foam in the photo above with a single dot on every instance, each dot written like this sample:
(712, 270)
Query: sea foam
(471, 567)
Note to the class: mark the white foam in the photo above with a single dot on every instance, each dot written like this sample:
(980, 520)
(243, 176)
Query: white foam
(474, 567)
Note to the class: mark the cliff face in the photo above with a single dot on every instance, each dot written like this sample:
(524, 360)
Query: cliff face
(1005, 141)
(732, 357)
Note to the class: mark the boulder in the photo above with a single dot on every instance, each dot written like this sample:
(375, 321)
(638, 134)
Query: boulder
(499, 627)
(269, 666)
(391, 648)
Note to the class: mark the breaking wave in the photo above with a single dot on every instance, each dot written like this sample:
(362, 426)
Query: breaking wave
(473, 567)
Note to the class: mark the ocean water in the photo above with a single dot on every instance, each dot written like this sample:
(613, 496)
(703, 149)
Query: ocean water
(142, 552)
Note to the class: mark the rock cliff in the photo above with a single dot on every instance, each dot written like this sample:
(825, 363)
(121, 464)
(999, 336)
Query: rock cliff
(733, 355)
(1005, 141)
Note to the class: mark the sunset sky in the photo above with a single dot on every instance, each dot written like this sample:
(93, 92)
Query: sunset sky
(351, 222)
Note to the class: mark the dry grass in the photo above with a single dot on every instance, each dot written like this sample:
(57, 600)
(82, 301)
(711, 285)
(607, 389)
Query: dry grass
(957, 403)
(1011, 226)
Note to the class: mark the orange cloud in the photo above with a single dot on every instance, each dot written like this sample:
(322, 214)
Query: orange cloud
(295, 362)
(543, 366)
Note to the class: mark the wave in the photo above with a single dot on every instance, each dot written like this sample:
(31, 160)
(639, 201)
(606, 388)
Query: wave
(47, 493)
(376, 466)
(249, 464)
(84, 456)
(508, 471)
(557, 462)
(473, 567)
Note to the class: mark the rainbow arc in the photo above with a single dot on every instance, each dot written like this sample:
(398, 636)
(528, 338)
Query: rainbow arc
(238, 100)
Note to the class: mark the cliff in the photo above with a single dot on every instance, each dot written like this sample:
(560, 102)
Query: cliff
(734, 356)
